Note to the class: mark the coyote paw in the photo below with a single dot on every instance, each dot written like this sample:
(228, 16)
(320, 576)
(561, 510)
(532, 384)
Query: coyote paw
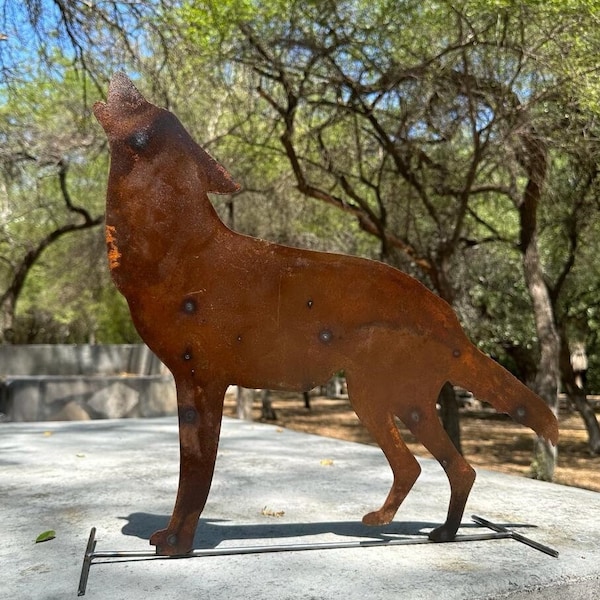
(168, 543)
(378, 517)
(443, 533)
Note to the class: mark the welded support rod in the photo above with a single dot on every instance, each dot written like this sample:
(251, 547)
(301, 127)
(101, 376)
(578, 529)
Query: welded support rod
(88, 557)
(240, 550)
(515, 536)
(91, 554)
(499, 533)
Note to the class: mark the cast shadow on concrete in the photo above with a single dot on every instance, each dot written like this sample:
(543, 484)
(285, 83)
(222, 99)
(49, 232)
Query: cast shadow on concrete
(212, 532)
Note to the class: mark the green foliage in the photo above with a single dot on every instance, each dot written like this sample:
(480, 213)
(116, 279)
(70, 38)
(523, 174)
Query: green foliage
(69, 297)
(48, 134)
(454, 86)
(409, 116)
(497, 312)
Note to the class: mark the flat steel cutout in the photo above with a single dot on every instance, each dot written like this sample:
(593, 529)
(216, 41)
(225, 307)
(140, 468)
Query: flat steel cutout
(220, 308)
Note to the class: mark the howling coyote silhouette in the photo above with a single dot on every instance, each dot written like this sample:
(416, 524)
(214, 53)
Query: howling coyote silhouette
(220, 308)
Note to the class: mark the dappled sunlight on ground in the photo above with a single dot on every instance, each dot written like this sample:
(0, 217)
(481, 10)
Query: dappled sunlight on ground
(490, 441)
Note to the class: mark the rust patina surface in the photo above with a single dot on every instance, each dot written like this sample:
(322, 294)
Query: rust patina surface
(221, 308)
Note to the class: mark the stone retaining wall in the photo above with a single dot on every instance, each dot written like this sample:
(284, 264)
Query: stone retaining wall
(77, 382)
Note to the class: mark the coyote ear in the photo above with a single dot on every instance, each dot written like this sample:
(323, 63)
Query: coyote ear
(218, 179)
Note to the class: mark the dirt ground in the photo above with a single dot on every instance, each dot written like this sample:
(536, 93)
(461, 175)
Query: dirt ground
(490, 441)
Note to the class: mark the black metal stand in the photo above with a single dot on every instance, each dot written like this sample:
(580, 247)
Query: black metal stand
(499, 533)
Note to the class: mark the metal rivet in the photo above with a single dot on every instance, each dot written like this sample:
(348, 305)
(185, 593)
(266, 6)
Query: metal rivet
(172, 540)
(309, 304)
(325, 336)
(521, 412)
(187, 355)
(138, 140)
(415, 416)
(456, 353)
(239, 338)
(190, 415)
(189, 306)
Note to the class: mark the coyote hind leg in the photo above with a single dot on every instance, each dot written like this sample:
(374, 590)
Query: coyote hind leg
(427, 428)
(404, 465)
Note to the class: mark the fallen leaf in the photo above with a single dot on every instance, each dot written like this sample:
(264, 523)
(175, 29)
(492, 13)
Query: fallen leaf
(327, 462)
(268, 512)
(46, 536)
(47, 433)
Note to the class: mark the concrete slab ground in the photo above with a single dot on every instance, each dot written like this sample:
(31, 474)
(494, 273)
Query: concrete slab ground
(271, 486)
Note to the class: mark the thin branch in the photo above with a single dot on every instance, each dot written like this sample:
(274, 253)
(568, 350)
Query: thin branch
(63, 167)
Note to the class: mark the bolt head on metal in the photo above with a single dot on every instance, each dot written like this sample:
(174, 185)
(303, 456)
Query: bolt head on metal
(325, 336)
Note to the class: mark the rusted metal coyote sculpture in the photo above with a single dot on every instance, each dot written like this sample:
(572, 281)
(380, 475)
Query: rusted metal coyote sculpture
(219, 308)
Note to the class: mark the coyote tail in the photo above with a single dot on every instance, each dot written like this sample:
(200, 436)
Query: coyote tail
(490, 382)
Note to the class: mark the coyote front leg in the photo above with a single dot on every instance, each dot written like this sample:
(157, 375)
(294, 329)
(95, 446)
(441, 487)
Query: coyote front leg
(200, 412)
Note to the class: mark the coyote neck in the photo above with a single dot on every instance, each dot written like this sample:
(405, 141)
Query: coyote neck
(144, 244)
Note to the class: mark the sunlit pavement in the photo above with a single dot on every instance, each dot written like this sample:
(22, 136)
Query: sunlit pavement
(271, 487)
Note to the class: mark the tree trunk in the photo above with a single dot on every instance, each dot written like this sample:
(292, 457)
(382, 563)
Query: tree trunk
(7, 317)
(579, 398)
(546, 383)
(245, 399)
(306, 396)
(577, 395)
(267, 411)
(449, 414)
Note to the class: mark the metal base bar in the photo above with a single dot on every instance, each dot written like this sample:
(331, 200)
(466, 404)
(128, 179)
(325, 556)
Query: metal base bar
(88, 557)
(499, 533)
(515, 536)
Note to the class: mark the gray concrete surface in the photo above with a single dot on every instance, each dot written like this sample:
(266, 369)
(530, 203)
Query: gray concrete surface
(121, 476)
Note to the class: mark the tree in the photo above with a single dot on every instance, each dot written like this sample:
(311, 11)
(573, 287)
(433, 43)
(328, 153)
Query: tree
(363, 142)
(55, 58)
(41, 149)
(573, 220)
(446, 145)
(406, 132)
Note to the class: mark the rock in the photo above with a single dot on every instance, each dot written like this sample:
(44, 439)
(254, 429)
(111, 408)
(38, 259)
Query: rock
(158, 398)
(114, 401)
(71, 411)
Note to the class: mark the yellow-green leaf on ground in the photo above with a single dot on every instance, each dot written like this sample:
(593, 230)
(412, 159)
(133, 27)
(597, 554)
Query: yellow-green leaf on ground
(46, 536)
